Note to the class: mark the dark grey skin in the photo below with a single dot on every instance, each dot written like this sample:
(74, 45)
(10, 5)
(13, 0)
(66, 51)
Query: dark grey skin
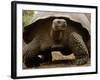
(56, 34)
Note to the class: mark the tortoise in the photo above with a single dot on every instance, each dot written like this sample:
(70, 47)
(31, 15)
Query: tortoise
(56, 31)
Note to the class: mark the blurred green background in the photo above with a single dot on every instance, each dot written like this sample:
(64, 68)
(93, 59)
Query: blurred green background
(27, 17)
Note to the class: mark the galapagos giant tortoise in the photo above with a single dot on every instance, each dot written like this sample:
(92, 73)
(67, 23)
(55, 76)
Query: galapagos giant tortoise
(56, 31)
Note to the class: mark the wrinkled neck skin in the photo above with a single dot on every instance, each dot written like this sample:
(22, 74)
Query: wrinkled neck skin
(57, 35)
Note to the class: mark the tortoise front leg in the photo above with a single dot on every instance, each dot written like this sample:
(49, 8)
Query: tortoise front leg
(78, 47)
(30, 52)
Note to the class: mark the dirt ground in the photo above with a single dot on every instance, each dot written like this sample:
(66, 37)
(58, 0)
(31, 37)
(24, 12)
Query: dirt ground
(59, 60)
